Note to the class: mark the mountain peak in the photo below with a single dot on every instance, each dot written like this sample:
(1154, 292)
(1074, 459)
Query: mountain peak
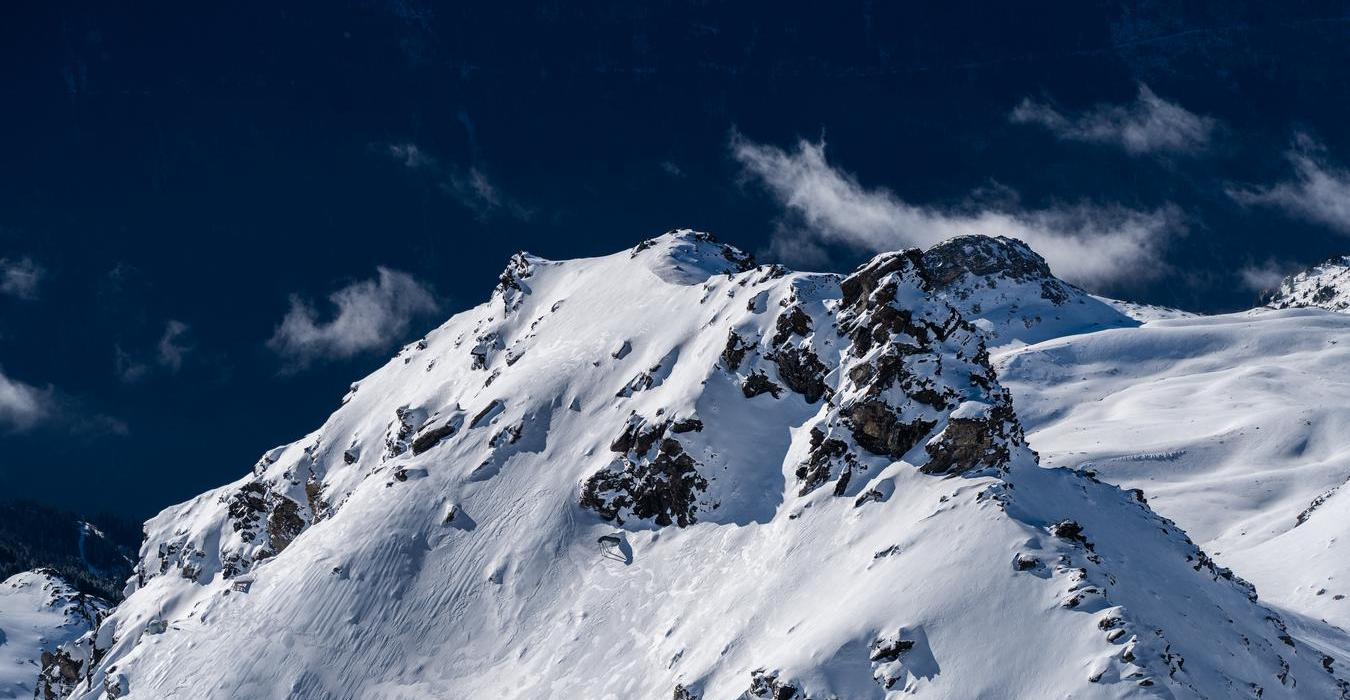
(686, 256)
(1006, 289)
(984, 256)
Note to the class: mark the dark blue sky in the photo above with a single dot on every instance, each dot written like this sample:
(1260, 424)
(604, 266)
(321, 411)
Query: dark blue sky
(198, 165)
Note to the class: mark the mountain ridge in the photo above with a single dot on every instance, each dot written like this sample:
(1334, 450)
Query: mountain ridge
(811, 485)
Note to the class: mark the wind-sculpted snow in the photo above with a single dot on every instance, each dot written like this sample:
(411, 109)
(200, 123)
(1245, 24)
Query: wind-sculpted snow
(667, 473)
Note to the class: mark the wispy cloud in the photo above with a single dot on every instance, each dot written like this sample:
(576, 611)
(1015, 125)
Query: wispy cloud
(173, 346)
(1085, 243)
(1319, 191)
(22, 406)
(410, 155)
(129, 369)
(1265, 276)
(369, 315)
(20, 277)
(169, 352)
(1149, 125)
(469, 186)
(25, 407)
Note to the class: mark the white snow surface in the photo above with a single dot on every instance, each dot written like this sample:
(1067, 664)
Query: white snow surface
(39, 612)
(1234, 426)
(468, 570)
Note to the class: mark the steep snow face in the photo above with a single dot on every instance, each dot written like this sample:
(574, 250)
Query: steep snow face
(1008, 291)
(1326, 286)
(670, 473)
(1234, 426)
(38, 613)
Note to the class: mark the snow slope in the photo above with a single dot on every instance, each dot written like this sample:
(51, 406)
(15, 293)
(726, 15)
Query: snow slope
(1325, 286)
(38, 613)
(670, 473)
(1233, 425)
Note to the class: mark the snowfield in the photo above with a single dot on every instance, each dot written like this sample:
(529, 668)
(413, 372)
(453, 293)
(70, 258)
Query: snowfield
(1234, 426)
(671, 473)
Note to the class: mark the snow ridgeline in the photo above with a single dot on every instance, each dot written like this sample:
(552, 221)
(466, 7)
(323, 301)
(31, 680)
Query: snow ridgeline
(806, 486)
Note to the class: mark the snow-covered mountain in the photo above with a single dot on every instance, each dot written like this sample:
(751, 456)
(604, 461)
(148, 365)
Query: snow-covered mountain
(39, 612)
(1233, 425)
(669, 472)
(1324, 286)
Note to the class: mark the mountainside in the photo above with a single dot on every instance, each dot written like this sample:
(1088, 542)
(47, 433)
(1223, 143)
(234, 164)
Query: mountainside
(39, 612)
(670, 473)
(1324, 286)
(1231, 425)
(94, 555)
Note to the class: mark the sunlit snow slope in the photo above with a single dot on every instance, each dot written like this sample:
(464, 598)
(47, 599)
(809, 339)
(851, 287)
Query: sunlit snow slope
(1234, 426)
(670, 473)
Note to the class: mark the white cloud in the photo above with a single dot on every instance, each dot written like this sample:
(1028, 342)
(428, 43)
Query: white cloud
(172, 348)
(1319, 191)
(1150, 124)
(1083, 243)
(22, 406)
(370, 315)
(20, 277)
(468, 186)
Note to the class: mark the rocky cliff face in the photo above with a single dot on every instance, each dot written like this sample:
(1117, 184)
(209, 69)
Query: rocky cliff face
(1324, 286)
(671, 472)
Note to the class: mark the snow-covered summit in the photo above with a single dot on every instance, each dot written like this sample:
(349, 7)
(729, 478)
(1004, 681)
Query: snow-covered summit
(1008, 290)
(690, 257)
(668, 472)
(1325, 286)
